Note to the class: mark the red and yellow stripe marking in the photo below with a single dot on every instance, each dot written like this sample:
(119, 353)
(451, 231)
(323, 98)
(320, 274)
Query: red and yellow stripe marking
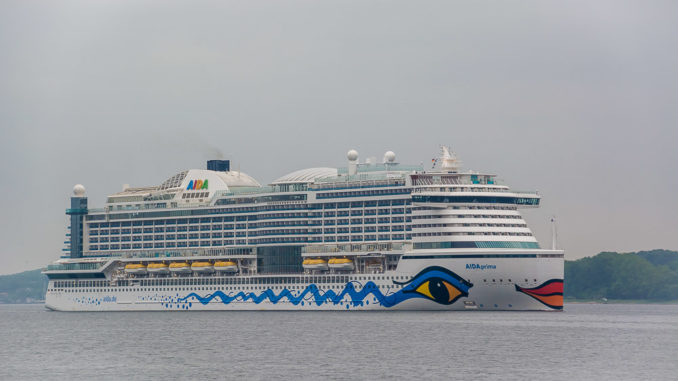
(549, 293)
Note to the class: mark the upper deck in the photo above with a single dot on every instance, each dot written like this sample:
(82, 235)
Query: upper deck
(315, 210)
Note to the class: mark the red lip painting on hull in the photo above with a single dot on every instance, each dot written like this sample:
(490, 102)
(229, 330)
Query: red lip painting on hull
(549, 293)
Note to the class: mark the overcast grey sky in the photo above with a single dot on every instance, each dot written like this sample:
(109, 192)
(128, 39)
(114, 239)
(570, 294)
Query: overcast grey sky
(575, 99)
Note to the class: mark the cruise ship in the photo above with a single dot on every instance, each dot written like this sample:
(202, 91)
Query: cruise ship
(374, 235)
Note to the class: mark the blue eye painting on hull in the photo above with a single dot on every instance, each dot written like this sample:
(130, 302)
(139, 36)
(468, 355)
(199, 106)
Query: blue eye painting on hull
(434, 283)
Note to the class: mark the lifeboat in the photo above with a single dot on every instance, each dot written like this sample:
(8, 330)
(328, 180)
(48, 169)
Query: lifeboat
(226, 266)
(180, 268)
(157, 268)
(314, 264)
(135, 268)
(202, 267)
(341, 264)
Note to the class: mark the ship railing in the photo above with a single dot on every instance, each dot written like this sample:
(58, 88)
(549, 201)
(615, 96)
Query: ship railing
(75, 266)
(356, 181)
(201, 252)
(246, 191)
(381, 168)
(359, 248)
(437, 188)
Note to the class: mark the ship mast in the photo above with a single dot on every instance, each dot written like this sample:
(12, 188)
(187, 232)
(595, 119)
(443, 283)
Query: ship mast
(449, 161)
(554, 233)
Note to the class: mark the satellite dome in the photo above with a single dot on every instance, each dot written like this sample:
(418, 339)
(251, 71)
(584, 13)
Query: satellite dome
(389, 156)
(352, 155)
(79, 190)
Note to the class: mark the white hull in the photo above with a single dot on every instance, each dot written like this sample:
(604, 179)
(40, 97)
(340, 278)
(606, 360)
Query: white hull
(203, 269)
(226, 269)
(319, 267)
(180, 270)
(494, 284)
(142, 271)
(159, 271)
(342, 267)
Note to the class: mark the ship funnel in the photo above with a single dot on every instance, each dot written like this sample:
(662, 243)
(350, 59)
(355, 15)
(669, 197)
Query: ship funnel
(219, 165)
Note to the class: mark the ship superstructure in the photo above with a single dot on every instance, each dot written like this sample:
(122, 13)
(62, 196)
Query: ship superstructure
(367, 236)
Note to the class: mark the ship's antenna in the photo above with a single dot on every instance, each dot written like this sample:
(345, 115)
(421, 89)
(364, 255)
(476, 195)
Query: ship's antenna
(554, 233)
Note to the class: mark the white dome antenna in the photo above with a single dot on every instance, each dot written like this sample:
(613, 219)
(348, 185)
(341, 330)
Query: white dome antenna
(352, 157)
(389, 157)
(79, 190)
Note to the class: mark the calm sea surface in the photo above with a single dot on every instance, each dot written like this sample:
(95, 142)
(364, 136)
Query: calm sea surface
(601, 342)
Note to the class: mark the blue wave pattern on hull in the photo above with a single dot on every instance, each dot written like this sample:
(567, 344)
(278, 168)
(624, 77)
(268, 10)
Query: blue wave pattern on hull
(311, 294)
(435, 283)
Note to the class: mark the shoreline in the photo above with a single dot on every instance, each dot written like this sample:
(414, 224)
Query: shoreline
(619, 301)
(578, 301)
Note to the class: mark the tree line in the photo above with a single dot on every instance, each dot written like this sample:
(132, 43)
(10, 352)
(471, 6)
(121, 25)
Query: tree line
(644, 275)
(25, 287)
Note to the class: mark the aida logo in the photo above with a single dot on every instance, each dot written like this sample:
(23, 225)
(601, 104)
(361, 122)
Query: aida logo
(476, 266)
(197, 184)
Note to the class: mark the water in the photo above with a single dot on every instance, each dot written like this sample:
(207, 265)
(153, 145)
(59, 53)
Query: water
(605, 342)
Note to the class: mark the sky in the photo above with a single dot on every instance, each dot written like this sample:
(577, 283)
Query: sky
(577, 100)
